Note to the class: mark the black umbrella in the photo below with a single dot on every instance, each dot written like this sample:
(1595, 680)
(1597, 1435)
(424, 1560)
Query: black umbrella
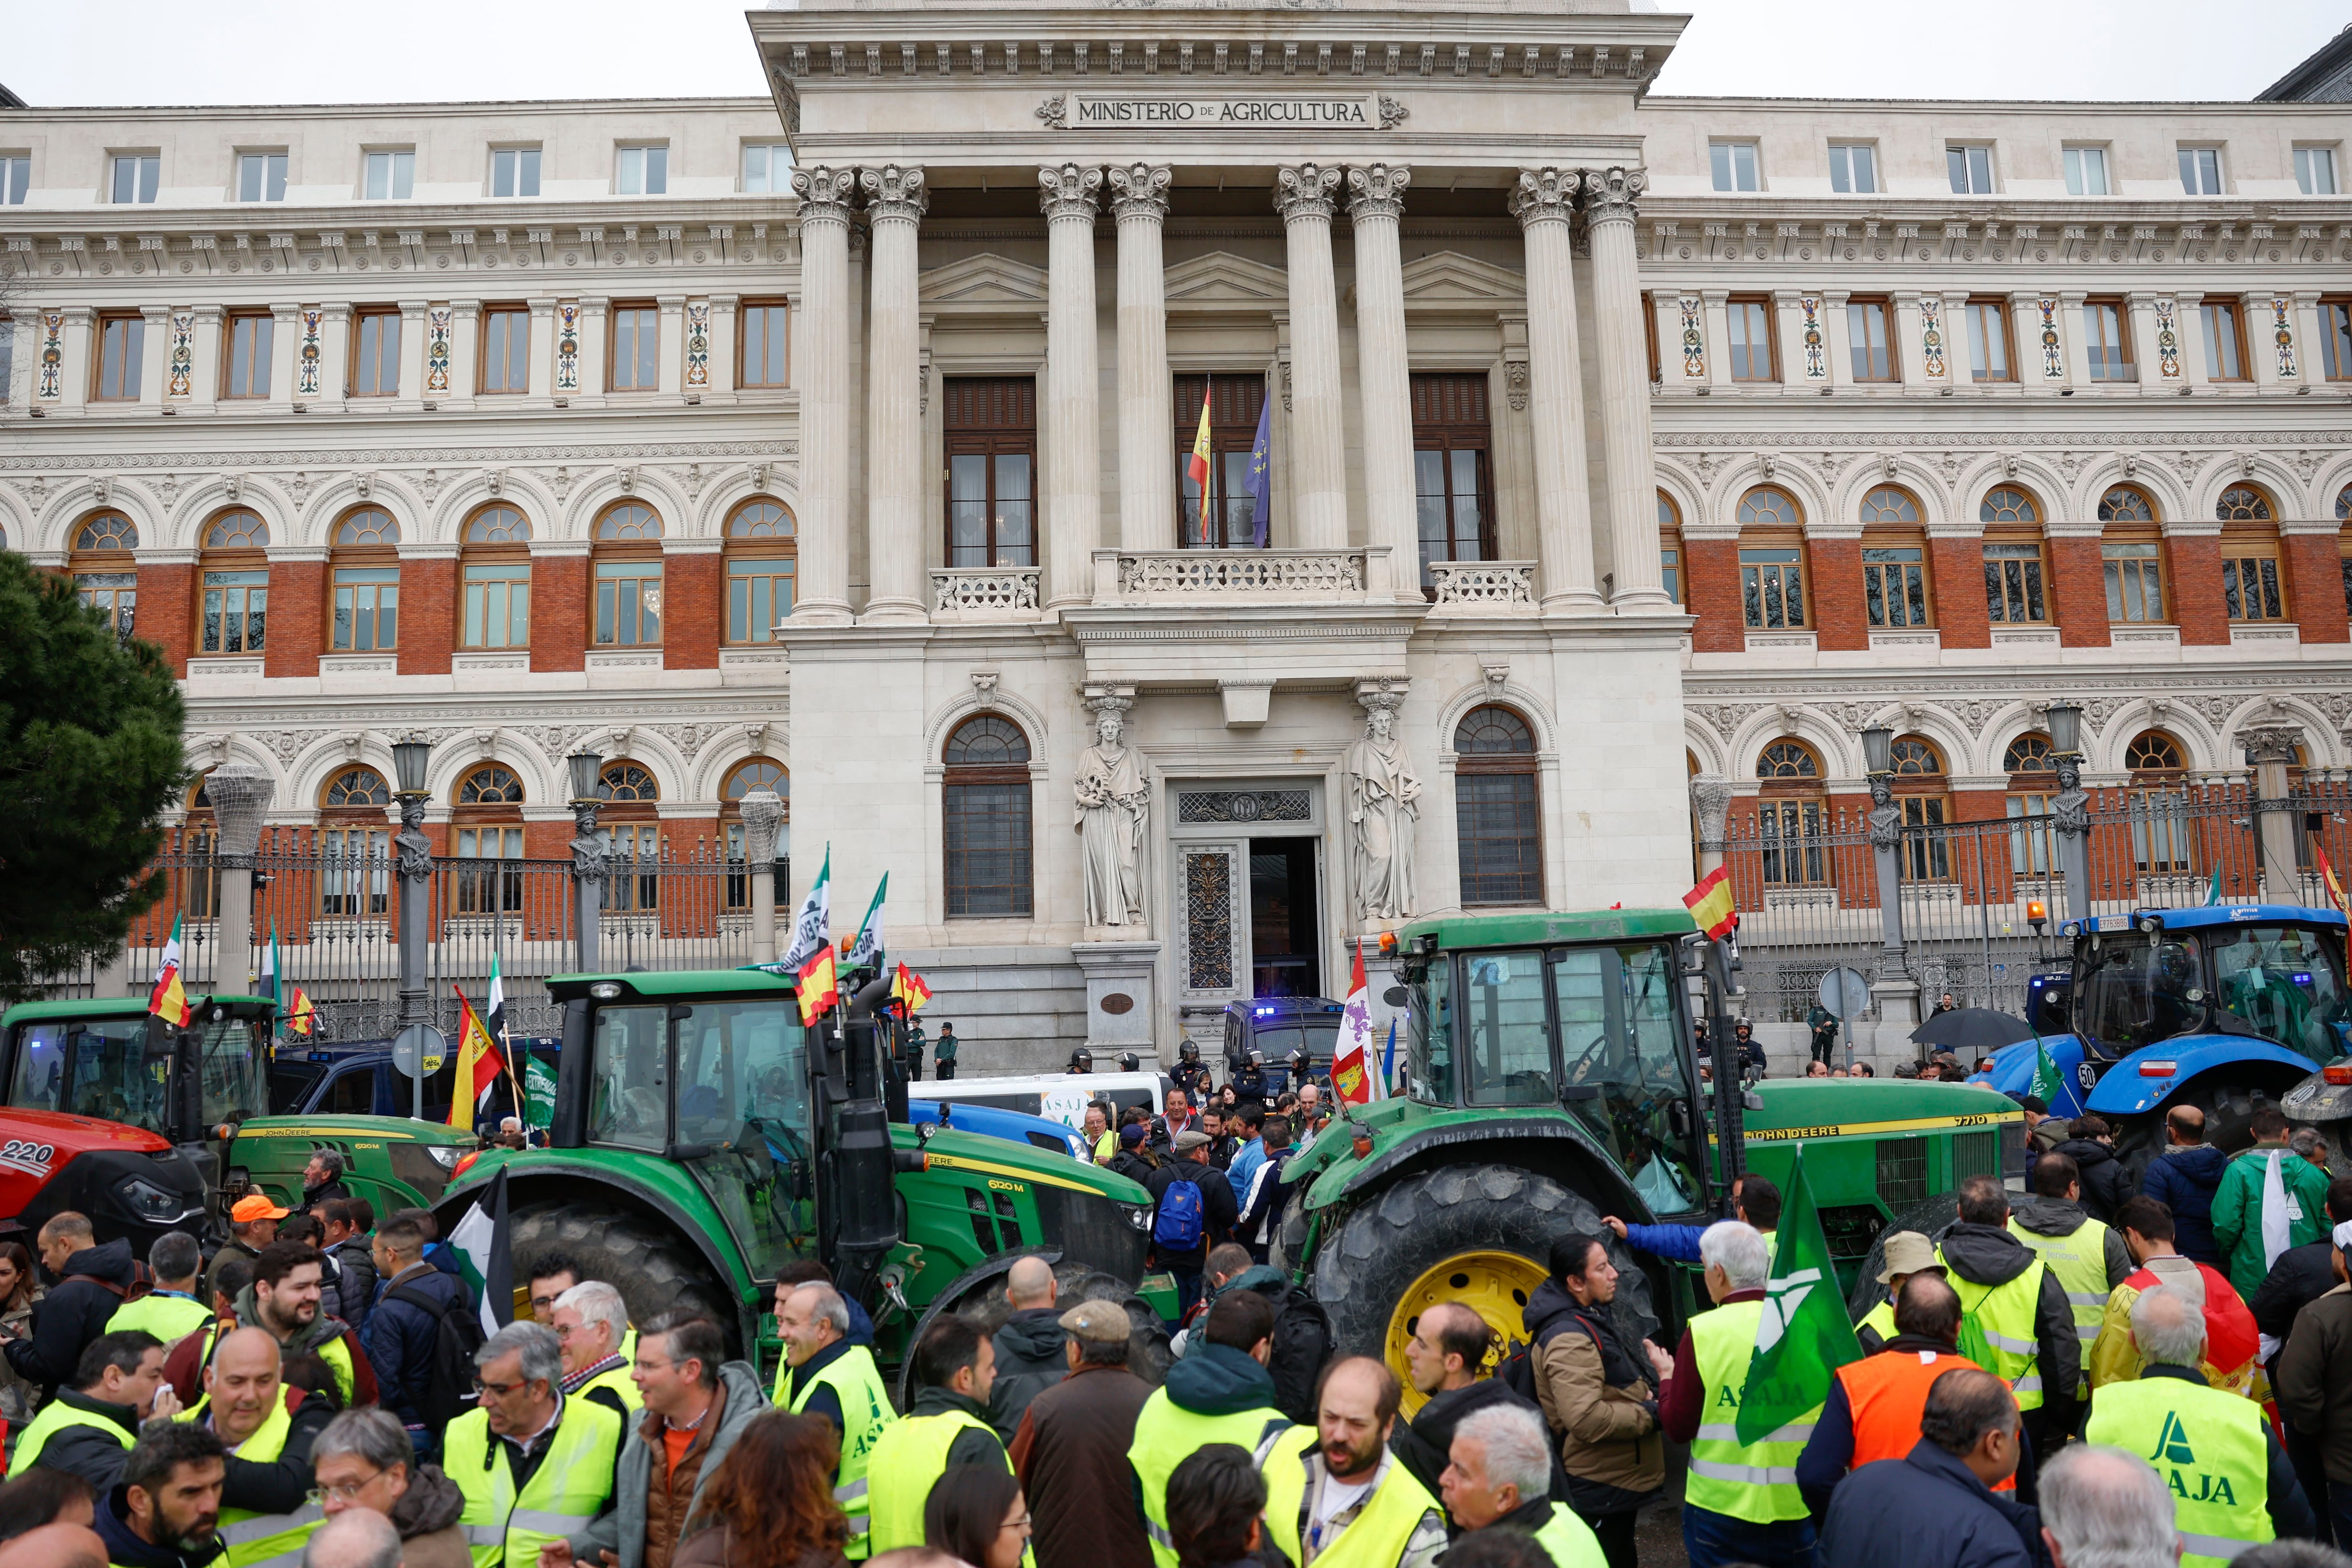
(1972, 1029)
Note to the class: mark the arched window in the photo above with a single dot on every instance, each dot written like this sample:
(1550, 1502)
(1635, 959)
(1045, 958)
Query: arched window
(1670, 545)
(2032, 783)
(629, 573)
(2127, 503)
(366, 569)
(2015, 571)
(1771, 559)
(2344, 543)
(496, 565)
(2161, 841)
(985, 806)
(2343, 503)
(2244, 503)
(1894, 559)
(1498, 819)
(629, 792)
(1790, 815)
(1922, 791)
(755, 773)
(487, 825)
(761, 568)
(199, 844)
(354, 844)
(235, 583)
(2009, 506)
(2131, 551)
(102, 571)
(2254, 581)
(2029, 754)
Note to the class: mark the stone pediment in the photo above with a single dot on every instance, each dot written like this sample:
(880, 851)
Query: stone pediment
(1450, 277)
(988, 279)
(1222, 277)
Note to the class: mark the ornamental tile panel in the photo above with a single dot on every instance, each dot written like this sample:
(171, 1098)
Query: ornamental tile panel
(1816, 367)
(180, 375)
(53, 356)
(437, 349)
(567, 345)
(1693, 339)
(1931, 337)
(2168, 339)
(697, 343)
(306, 383)
(2283, 334)
(2053, 362)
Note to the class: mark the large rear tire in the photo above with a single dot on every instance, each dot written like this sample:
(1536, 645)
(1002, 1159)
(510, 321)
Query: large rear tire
(2228, 1110)
(1480, 1234)
(653, 1268)
(1930, 1218)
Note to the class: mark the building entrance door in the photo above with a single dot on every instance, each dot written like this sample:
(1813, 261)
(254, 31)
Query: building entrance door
(1283, 941)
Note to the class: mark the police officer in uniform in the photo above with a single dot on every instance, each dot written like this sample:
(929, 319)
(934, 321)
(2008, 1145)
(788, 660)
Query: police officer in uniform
(955, 1365)
(534, 1466)
(2231, 1482)
(824, 1374)
(1249, 1082)
(1191, 1075)
(1082, 1060)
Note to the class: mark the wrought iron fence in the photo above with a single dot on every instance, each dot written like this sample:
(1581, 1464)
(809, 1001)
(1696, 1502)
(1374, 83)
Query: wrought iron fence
(1806, 880)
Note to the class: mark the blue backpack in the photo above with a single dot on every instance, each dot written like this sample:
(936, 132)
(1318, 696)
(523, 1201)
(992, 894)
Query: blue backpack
(1178, 1226)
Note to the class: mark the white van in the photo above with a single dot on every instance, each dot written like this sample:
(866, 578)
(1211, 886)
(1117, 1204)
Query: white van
(1062, 1098)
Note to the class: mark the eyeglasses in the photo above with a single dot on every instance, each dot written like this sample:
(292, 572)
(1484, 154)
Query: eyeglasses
(348, 1491)
(1020, 1523)
(541, 1306)
(498, 1390)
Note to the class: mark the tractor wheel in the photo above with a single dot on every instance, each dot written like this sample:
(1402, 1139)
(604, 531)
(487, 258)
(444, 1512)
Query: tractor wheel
(1928, 1218)
(653, 1269)
(2228, 1110)
(983, 1305)
(1479, 1235)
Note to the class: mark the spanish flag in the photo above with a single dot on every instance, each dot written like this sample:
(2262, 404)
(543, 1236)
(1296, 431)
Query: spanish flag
(169, 999)
(908, 989)
(1710, 903)
(2335, 888)
(300, 1014)
(818, 989)
(1197, 468)
(478, 1066)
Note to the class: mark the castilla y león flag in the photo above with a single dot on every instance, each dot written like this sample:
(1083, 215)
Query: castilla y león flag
(1351, 1059)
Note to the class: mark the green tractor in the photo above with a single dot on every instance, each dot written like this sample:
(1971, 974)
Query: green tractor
(704, 1139)
(104, 1076)
(1552, 1079)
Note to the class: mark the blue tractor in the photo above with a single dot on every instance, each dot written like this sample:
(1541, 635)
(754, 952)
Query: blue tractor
(2227, 1007)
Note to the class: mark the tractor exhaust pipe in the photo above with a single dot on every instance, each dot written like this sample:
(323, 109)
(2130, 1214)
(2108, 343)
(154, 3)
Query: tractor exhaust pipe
(863, 1158)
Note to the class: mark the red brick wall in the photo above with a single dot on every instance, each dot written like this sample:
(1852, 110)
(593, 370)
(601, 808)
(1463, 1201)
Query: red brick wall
(166, 613)
(2315, 582)
(2078, 592)
(1841, 616)
(694, 611)
(558, 612)
(297, 615)
(2193, 581)
(1957, 572)
(1711, 593)
(428, 614)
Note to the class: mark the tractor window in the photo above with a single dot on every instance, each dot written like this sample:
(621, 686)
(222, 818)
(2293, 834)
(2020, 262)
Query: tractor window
(2134, 992)
(741, 1062)
(1508, 1047)
(1620, 1067)
(1430, 1047)
(105, 1068)
(231, 1068)
(2286, 981)
(626, 1091)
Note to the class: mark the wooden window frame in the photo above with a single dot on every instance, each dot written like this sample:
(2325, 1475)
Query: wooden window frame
(2336, 336)
(1799, 800)
(1228, 437)
(371, 557)
(239, 558)
(1446, 437)
(2255, 546)
(496, 887)
(118, 599)
(1776, 537)
(2112, 577)
(1771, 340)
(492, 554)
(2236, 313)
(732, 845)
(1011, 431)
(1014, 775)
(2123, 367)
(2006, 317)
(612, 337)
(510, 312)
(1670, 548)
(768, 548)
(743, 309)
(261, 363)
(1860, 305)
(1897, 535)
(134, 327)
(603, 552)
(361, 317)
(1530, 841)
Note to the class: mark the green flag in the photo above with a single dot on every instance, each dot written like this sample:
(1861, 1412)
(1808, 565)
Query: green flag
(538, 1093)
(1805, 1335)
(2046, 1083)
(2213, 889)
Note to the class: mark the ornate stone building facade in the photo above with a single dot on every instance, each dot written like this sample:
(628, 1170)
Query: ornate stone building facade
(1561, 440)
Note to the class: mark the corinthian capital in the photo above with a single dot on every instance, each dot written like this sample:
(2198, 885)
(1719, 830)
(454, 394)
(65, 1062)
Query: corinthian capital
(1139, 191)
(825, 194)
(1610, 193)
(895, 191)
(1303, 191)
(1543, 196)
(1377, 190)
(1068, 190)
(2264, 743)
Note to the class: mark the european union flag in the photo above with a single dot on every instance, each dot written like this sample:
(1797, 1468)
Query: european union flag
(1261, 477)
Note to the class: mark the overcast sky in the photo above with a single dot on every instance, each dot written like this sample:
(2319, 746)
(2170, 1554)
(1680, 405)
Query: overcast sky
(282, 51)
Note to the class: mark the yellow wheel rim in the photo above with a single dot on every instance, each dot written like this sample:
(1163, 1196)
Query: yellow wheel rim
(1494, 1285)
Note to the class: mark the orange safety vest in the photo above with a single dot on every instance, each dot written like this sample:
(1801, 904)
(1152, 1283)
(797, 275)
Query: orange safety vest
(1888, 1393)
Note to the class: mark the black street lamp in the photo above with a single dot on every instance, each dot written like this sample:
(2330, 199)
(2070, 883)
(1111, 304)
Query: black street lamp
(590, 850)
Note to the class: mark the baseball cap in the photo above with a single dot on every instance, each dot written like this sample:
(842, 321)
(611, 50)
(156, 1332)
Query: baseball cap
(256, 1207)
(1105, 1322)
(1907, 1252)
(1189, 1141)
(1132, 1133)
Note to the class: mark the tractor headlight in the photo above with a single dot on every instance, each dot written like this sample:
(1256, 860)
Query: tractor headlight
(150, 1202)
(605, 990)
(1139, 1215)
(445, 1157)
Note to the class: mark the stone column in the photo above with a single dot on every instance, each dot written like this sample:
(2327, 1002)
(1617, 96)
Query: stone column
(1711, 803)
(1384, 372)
(1302, 194)
(285, 346)
(1146, 419)
(411, 394)
(1073, 439)
(1632, 477)
(823, 372)
(239, 792)
(156, 353)
(895, 199)
(764, 813)
(1541, 200)
(540, 372)
(670, 370)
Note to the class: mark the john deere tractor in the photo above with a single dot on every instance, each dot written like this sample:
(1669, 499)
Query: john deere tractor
(1552, 1080)
(704, 1139)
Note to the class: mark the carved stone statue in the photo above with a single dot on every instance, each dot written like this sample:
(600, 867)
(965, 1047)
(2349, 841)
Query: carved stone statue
(1383, 812)
(1114, 807)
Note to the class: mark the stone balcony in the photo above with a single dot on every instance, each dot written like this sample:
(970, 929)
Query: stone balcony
(1244, 578)
(985, 594)
(1484, 587)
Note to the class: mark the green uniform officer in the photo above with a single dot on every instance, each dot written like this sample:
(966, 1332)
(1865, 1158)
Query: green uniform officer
(955, 1369)
(526, 1485)
(824, 1374)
